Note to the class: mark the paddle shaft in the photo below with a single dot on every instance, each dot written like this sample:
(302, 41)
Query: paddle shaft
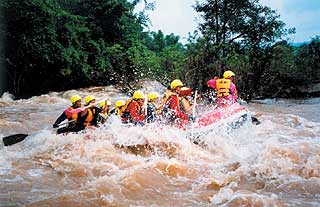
(194, 111)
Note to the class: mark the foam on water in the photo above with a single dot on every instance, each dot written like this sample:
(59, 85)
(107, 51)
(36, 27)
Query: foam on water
(276, 163)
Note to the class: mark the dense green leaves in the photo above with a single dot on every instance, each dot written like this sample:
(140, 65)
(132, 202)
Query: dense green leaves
(307, 61)
(242, 36)
(68, 44)
(59, 45)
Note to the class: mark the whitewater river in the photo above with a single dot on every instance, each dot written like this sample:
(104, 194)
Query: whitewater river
(276, 163)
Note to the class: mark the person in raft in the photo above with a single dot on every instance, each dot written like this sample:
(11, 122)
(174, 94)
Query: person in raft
(173, 110)
(153, 107)
(71, 113)
(185, 95)
(88, 118)
(134, 112)
(105, 111)
(226, 90)
(119, 108)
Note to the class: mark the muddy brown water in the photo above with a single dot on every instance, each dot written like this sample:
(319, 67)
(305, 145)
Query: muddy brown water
(276, 163)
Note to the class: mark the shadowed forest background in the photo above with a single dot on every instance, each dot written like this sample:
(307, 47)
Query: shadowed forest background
(55, 45)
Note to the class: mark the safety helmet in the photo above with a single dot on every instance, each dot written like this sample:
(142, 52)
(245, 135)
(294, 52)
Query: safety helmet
(153, 95)
(74, 99)
(138, 95)
(228, 74)
(88, 99)
(120, 103)
(176, 83)
(103, 103)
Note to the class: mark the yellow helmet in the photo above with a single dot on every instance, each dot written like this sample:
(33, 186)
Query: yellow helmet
(74, 99)
(120, 103)
(138, 95)
(228, 74)
(175, 83)
(103, 103)
(153, 95)
(88, 99)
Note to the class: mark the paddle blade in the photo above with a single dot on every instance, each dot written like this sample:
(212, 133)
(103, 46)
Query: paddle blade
(255, 120)
(13, 139)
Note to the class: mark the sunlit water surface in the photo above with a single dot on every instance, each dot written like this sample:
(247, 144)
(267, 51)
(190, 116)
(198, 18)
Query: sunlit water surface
(276, 163)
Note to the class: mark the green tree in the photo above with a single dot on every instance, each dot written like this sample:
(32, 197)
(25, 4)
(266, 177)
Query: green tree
(34, 36)
(169, 56)
(230, 28)
(307, 61)
(69, 44)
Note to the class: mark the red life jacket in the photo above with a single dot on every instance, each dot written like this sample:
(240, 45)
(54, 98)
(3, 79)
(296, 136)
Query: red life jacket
(173, 104)
(134, 112)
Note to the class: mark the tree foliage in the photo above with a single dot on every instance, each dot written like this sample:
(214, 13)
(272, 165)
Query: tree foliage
(59, 45)
(307, 61)
(236, 33)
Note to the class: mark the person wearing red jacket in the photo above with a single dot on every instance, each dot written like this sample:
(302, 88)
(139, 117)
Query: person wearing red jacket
(174, 110)
(134, 113)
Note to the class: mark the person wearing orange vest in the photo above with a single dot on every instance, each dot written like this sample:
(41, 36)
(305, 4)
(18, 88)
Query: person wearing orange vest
(134, 113)
(225, 88)
(173, 109)
(70, 113)
(89, 117)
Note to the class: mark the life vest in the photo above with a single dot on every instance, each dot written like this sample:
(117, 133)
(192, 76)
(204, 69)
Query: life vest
(72, 116)
(166, 96)
(124, 113)
(223, 87)
(185, 105)
(126, 116)
(175, 115)
(168, 113)
(90, 113)
(103, 116)
(118, 112)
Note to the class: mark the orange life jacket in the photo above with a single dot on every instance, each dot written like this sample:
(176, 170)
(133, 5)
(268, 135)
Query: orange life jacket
(89, 118)
(223, 87)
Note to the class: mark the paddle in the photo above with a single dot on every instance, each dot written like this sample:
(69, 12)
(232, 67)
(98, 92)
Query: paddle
(77, 110)
(194, 111)
(254, 120)
(16, 138)
(13, 139)
(146, 109)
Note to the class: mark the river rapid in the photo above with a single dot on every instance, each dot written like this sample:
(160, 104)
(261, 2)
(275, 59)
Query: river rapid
(276, 163)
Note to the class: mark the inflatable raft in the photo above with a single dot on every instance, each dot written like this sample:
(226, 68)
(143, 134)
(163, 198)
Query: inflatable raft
(225, 118)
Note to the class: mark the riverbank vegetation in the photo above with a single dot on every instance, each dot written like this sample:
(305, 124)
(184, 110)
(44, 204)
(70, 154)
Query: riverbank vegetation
(53, 45)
